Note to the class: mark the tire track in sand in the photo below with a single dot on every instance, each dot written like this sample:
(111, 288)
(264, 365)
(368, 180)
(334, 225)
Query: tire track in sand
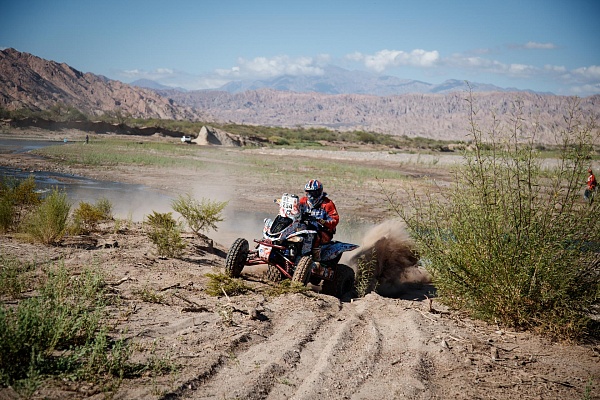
(337, 362)
(252, 373)
(310, 354)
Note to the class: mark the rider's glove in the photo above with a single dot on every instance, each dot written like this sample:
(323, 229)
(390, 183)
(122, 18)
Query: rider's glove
(321, 221)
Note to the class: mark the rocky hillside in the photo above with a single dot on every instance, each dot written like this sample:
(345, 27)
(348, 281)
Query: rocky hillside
(27, 81)
(438, 116)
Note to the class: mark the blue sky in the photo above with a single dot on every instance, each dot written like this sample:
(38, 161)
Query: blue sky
(543, 45)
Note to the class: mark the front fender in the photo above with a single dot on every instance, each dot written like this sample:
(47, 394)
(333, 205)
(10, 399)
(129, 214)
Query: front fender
(332, 250)
(302, 232)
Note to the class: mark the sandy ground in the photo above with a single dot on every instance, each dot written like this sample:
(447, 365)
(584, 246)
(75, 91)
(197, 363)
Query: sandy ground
(296, 346)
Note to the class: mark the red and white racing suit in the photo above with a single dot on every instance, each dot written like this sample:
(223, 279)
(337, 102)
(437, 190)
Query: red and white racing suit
(326, 212)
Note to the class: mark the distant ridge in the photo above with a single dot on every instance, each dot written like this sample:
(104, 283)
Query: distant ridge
(150, 84)
(336, 80)
(443, 116)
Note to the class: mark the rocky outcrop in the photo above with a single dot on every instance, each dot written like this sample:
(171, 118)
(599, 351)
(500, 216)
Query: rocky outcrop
(213, 136)
(27, 81)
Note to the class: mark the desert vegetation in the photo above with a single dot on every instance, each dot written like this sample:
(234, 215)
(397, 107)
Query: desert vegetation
(60, 330)
(512, 240)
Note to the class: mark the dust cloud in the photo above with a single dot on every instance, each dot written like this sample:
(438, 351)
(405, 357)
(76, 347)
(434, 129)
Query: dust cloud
(391, 250)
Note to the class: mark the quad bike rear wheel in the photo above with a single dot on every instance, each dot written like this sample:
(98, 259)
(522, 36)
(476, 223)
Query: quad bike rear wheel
(273, 273)
(236, 257)
(303, 269)
(342, 283)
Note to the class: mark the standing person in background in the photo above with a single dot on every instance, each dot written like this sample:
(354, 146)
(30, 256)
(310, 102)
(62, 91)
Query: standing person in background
(591, 187)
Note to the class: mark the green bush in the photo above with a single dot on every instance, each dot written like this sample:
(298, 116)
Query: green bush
(200, 216)
(48, 222)
(513, 241)
(7, 214)
(165, 234)
(17, 197)
(86, 216)
(105, 207)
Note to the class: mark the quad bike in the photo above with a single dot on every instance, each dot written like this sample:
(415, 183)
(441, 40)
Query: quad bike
(286, 248)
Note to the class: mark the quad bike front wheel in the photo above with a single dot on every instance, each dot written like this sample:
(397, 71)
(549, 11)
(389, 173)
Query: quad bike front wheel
(303, 269)
(236, 257)
(342, 283)
(273, 273)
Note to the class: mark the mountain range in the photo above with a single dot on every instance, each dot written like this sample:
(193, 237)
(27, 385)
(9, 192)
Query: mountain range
(339, 99)
(336, 80)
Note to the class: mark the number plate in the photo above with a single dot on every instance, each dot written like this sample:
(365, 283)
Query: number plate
(264, 252)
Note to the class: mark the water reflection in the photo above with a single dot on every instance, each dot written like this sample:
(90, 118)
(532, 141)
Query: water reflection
(17, 146)
(129, 201)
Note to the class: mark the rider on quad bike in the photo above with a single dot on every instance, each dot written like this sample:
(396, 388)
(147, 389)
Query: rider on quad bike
(323, 211)
(288, 244)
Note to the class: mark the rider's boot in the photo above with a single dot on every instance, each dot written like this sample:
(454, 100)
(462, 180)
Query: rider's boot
(316, 254)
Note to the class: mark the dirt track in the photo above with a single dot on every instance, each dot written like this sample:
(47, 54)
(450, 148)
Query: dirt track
(302, 346)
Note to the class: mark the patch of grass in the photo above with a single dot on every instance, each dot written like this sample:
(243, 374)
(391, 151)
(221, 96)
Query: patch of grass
(17, 197)
(109, 152)
(12, 276)
(589, 387)
(219, 284)
(150, 295)
(286, 286)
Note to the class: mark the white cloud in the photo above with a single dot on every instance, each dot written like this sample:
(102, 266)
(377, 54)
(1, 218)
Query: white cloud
(174, 78)
(555, 68)
(536, 45)
(157, 74)
(584, 90)
(488, 65)
(521, 70)
(356, 56)
(385, 59)
(588, 74)
(263, 67)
